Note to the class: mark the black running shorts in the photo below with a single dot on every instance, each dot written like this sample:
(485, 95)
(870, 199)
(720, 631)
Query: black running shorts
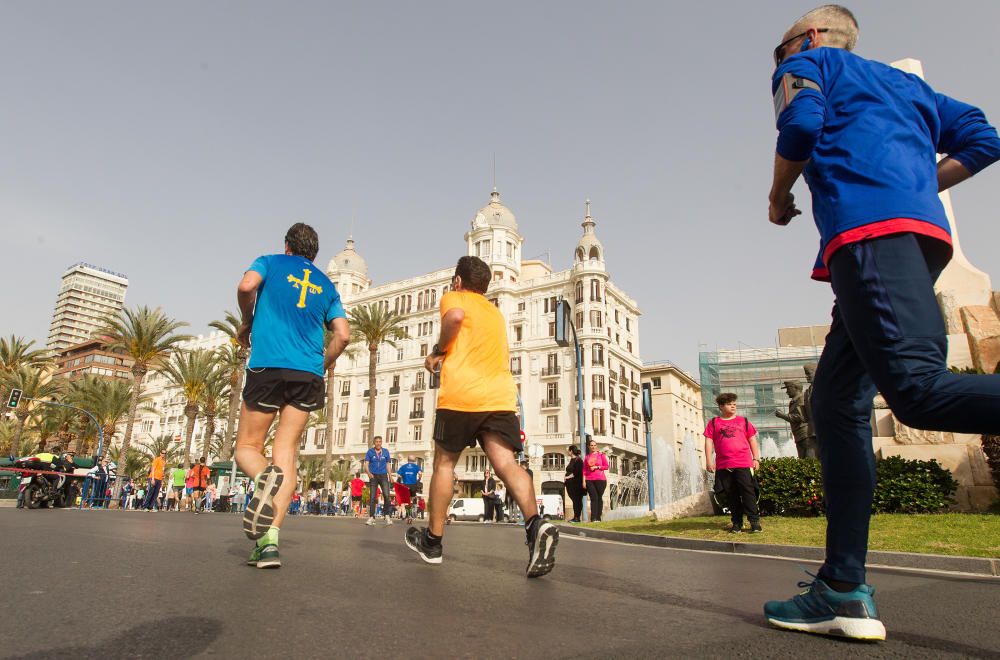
(270, 390)
(455, 430)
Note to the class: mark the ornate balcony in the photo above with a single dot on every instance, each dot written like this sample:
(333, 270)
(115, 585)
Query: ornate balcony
(551, 371)
(416, 414)
(555, 402)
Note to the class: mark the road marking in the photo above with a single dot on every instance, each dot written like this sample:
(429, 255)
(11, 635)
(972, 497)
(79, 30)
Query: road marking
(814, 562)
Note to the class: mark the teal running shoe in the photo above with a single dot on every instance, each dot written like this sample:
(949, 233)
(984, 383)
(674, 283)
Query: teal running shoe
(823, 611)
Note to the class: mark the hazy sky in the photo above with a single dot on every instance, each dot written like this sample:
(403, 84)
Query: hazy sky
(175, 141)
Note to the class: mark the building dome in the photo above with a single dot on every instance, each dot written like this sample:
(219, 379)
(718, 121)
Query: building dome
(494, 213)
(348, 260)
(589, 248)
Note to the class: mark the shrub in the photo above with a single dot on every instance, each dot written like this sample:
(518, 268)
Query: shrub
(904, 486)
(794, 486)
(790, 486)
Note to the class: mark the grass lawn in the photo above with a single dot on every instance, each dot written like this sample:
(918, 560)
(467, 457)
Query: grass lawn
(971, 535)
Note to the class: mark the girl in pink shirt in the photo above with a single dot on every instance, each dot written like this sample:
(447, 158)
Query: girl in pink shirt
(594, 467)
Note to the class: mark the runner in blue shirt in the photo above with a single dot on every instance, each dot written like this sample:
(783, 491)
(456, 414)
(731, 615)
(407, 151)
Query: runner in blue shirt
(287, 304)
(377, 466)
(866, 135)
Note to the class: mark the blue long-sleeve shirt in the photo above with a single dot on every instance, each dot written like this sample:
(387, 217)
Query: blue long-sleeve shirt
(871, 134)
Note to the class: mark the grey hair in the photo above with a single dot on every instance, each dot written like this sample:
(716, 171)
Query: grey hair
(838, 19)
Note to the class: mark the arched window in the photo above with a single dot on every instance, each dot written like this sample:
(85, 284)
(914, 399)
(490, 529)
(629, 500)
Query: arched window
(554, 462)
(579, 291)
(580, 255)
(595, 254)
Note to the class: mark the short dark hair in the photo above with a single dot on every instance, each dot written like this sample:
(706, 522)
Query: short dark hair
(724, 398)
(475, 274)
(378, 437)
(302, 240)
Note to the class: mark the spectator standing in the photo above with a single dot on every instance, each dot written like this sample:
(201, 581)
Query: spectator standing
(499, 497)
(489, 492)
(595, 467)
(573, 480)
(155, 481)
(377, 465)
(732, 453)
(210, 497)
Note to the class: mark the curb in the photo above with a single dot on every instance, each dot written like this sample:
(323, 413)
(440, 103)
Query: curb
(955, 564)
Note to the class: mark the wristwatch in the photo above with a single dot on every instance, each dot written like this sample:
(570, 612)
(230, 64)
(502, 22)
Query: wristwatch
(438, 352)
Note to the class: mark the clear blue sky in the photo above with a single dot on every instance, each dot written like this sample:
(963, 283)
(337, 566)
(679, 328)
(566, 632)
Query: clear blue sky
(175, 141)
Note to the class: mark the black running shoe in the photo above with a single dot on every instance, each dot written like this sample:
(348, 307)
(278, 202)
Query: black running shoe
(736, 529)
(259, 514)
(416, 540)
(755, 527)
(543, 537)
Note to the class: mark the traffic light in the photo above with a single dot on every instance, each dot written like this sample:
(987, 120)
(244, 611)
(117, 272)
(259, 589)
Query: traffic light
(15, 398)
(647, 402)
(562, 323)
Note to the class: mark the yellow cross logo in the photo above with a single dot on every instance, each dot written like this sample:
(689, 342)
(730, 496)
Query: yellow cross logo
(305, 285)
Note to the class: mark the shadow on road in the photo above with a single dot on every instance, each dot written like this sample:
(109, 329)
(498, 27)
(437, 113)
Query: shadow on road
(175, 637)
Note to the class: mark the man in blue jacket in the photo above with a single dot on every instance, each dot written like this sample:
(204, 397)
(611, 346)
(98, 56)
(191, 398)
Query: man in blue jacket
(865, 136)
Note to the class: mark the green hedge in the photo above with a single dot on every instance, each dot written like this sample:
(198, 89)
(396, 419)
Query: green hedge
(794, 486)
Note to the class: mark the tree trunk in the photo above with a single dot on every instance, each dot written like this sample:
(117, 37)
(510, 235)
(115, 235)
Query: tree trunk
(138, 373)
(234, 401)
(372, 360)
(206, 443)
(328, 459)
(191, 412)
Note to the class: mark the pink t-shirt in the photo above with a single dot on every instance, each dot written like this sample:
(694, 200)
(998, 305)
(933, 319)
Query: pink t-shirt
(731, 438)
(594, 467)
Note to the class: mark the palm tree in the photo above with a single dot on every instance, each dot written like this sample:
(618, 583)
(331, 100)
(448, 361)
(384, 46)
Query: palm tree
(374, 325)
(310, 470)
(35, 384)
(328, 411)
(134, 463)
(15, 353)
(107, 400)
(64, 425)
(147, 336)
(190, 371)
(216, 389)
(152, 448)
(233, 361)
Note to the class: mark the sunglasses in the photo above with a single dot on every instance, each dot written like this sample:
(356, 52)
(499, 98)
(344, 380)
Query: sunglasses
(779, 52)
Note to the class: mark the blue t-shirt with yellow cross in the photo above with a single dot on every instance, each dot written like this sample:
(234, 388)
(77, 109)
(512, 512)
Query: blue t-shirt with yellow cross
(295, 302)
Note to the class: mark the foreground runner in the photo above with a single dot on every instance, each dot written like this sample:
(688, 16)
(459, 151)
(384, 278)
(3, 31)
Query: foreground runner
(477, 402)
(866, 136)
(286, 301)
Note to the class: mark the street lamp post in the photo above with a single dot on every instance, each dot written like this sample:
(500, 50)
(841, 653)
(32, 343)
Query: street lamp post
(647, 414)
(562, 339)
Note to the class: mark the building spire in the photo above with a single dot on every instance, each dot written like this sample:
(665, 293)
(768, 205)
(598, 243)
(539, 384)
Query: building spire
(588, 222)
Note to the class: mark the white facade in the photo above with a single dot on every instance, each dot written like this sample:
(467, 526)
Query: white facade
(86, 296)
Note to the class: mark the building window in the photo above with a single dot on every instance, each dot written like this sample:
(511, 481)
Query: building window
(393, 409)
(595, 319)
(624, 431)
(497, 276)
(578, 291)
(515, 366)
(598, 387)
(423, 350)
(551, 304)
(629, 346)
(320, 438)
(399, 354)
(552, 392)
(595, 290)
(554, 462)
(520, 306)
(390, 435)
(656, 383)
(302, 439)
(635, 434)
(418, 432)
(628, 323)
(366, 437)
(579, 320)
(598, 415)
(552, 328)
(597, 355)
(552, 424)
(518, 332)
(341, 437)
(613, 464)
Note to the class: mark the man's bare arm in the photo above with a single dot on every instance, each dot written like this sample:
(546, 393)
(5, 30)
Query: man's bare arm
(950, 173)
(246, 298)
(451, 323)
(341, 337)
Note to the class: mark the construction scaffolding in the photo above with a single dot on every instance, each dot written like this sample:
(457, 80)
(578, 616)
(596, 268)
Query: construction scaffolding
(757, 377)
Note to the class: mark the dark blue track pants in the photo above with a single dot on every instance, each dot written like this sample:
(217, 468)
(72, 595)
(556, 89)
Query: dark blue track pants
(887, 336)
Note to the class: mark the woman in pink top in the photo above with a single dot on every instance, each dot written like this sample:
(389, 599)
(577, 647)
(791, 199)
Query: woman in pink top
(594, 467)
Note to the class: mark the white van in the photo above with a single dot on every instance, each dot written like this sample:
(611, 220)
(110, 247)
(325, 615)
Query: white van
(467, 508)
(550, 506)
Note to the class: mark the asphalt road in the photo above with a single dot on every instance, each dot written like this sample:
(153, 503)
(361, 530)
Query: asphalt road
(108, 584)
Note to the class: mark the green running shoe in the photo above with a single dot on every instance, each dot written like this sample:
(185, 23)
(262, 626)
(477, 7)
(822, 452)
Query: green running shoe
(268, 556)
(254, 556)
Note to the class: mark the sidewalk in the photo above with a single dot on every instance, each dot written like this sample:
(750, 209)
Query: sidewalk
(956, 564)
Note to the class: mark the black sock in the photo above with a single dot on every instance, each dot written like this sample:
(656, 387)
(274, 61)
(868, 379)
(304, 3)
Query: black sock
(431, 539)
(840, 586)
(527, 523)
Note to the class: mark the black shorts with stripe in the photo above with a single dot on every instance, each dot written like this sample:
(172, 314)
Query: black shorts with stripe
(455, 430)
(270, 390)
